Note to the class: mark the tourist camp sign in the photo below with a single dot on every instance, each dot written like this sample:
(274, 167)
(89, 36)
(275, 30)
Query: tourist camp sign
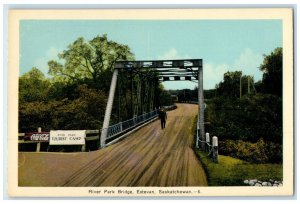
(67, 137)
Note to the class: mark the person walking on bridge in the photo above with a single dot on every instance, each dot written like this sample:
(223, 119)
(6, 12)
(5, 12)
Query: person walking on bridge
(162, 114)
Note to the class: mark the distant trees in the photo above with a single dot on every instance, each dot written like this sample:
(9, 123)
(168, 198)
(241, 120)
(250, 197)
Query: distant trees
(165, 97)
(272, 69)
(186, 94)
(271, 83)
(234, 84)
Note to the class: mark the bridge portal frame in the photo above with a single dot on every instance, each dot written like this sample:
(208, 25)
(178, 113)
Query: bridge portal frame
(185, 69)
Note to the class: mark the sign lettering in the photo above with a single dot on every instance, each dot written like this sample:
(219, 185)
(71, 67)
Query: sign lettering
(67, 137)
(37, 136)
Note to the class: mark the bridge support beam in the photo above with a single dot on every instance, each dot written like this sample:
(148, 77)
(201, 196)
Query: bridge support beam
(201, 107)
(108, 108)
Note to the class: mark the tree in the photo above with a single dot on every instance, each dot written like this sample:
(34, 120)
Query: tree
(233, 84)
(247, 119)
(33, 86)
(186, 94)
(90, 61)
(84, 112)
(165, 98)
(272, 68)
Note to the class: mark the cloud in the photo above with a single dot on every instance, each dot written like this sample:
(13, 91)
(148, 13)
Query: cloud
(42, 62)
(213, 74)
(249, 62)
(172, 54)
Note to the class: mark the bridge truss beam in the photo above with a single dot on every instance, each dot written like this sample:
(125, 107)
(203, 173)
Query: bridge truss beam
(159, 70)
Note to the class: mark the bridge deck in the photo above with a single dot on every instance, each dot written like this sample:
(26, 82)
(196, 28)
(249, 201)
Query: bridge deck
(148, 157)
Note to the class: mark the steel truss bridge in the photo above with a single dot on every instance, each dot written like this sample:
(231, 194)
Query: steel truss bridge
(144, 77)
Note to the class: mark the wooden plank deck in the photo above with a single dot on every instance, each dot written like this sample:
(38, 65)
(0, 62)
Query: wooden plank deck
(148, 157)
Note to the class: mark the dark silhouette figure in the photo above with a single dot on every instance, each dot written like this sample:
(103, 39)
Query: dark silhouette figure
(163, 117)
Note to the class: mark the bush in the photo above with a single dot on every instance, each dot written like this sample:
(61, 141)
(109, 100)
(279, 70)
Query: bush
(84, 112)
(247, 119)
(259, 152)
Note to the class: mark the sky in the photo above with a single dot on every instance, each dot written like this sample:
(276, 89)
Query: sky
(224, 45)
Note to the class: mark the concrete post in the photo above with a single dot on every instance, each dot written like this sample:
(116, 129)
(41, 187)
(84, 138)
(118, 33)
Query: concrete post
(108, 108)
(207, 137)
(38, 145)
(215, 148)
(207, 141)
(201, 105)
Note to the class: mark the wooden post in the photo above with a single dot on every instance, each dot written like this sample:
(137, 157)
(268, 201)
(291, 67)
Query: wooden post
(38, 145)
(83, 148)
(215, 149)
(241, 86)
(249, 84)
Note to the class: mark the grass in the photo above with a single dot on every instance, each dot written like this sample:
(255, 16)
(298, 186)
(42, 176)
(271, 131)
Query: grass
(232, 172)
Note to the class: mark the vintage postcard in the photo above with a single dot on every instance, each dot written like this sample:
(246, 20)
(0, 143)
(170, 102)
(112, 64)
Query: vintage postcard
(150, 102)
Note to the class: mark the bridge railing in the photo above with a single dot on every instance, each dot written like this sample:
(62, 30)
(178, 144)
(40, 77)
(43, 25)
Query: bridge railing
(211, 144)
(191, 102)
(123, 126)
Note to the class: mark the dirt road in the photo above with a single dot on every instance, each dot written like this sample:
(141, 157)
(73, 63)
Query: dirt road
(148, 157)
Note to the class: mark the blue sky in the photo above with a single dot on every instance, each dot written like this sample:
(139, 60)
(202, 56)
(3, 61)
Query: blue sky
(224, 45)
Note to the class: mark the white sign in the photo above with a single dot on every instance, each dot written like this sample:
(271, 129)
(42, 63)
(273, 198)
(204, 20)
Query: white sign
(67, 137)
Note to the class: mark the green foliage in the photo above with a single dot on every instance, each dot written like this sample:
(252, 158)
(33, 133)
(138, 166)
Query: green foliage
(231, 85)
(259, 152)
(234, 84)
(232, 172)
(209, 94)
(33, 86)
(89, 61)
(247, 119)
(84, 112)
(272, 77)
(35, 114)
(75, 97)
(165, 96)
(186, 94)
(240, 122)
